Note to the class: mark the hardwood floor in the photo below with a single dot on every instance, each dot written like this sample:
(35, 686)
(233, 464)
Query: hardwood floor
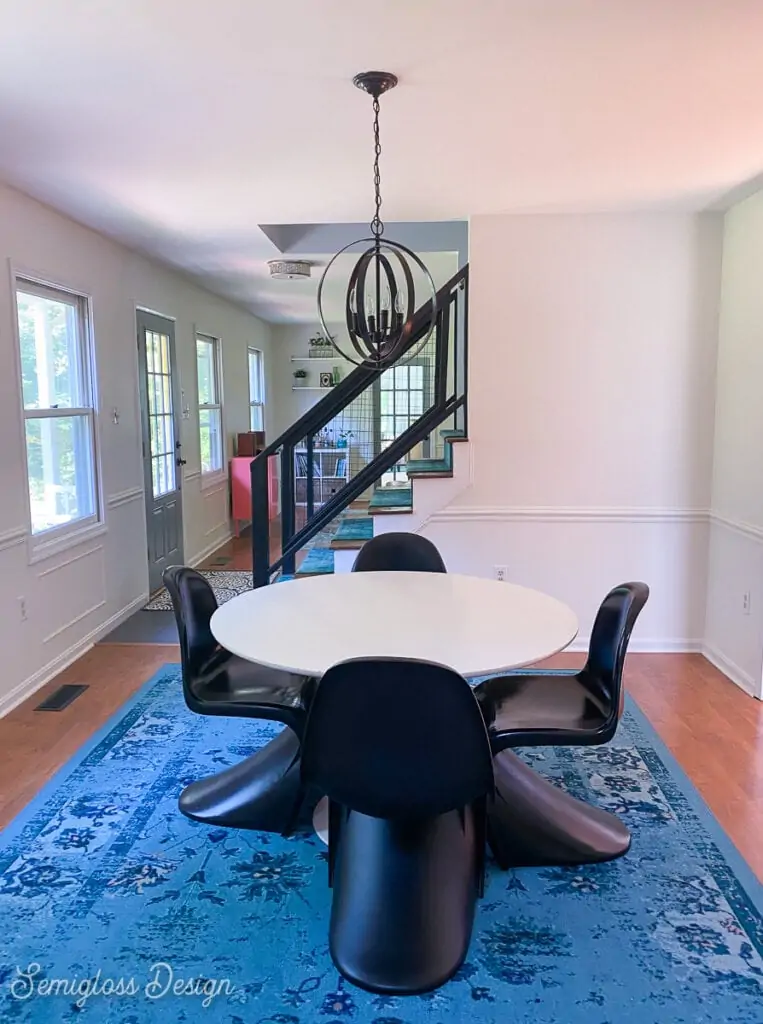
(714, 730)
(35, 744)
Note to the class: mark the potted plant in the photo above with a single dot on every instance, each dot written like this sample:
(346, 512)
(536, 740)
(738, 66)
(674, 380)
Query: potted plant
(300, 376)
(344, 438)
(320, 346)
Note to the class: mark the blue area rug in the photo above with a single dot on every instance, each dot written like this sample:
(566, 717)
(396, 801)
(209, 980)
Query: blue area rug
(103, 878)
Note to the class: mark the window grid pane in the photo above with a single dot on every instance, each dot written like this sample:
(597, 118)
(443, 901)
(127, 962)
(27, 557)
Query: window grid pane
(51, 344)
(60, 470)
(210, 411)
(54, 344)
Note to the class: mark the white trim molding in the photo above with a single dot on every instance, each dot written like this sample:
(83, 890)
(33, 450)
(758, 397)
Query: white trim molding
(211, 548)
(729, 668)
(26, 688)
(737, 526)
(566, 514)
(125, 497)
(13, 538)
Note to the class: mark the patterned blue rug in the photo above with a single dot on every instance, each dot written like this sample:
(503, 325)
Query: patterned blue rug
(117, 909)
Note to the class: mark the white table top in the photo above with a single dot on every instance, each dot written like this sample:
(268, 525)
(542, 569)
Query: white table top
(475, 626)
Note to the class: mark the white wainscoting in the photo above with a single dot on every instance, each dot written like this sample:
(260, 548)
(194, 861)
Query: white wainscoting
(19, 693)
(125, 497)
(579, 553)
(733, 637)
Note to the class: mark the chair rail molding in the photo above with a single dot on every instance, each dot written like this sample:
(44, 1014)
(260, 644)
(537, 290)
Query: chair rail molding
(124, 497)
(568, 514)
(737, 526)
(12, 538)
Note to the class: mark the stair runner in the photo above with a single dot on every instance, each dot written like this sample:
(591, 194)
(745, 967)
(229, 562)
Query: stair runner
(355, 528)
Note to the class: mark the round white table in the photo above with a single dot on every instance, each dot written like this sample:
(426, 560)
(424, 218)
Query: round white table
(474, 626)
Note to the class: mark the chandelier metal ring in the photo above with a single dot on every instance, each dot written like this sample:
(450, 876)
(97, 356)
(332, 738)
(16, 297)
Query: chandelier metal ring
(384, 352)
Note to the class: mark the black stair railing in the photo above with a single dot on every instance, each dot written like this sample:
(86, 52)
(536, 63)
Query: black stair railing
(444, 370)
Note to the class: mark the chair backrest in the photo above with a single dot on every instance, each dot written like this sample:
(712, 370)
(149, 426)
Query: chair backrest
(194, 603)
(396, 738)
(399, 552)
(609, 642)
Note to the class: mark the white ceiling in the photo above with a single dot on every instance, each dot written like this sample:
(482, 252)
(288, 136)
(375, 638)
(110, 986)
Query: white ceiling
(179, 126)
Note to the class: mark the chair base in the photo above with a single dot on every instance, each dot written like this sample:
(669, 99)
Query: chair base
(532, 823)
(404, 899)
(264, 792)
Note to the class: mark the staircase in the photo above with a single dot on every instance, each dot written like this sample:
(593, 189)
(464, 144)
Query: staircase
(393, 484)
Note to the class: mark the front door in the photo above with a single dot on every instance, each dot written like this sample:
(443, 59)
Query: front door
(161, 444)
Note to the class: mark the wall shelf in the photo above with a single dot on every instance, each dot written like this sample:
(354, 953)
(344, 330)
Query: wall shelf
(315, 359)
(307, 387)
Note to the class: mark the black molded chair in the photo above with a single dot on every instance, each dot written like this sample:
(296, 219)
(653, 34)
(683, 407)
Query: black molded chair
(262, 791)
(542, 709)
(399, 552)
(401, 750)
(531, 821)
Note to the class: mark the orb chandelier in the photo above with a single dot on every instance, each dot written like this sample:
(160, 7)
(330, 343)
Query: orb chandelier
(387, 283)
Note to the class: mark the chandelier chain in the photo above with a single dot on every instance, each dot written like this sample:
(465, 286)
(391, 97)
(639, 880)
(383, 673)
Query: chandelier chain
(377, 225)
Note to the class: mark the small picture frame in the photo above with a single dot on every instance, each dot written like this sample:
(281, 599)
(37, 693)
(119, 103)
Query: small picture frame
(326, 379)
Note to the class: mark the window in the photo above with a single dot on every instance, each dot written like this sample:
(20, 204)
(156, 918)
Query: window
(256, 390)
(210, 403)
(402, 401)
(59, 411)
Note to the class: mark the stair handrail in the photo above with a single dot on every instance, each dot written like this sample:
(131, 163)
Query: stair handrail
(348, 389)
(328, 408)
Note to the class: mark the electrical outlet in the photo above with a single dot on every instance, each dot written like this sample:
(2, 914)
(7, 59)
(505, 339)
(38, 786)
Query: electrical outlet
(746, 602)
(22, 608)
(501, 573)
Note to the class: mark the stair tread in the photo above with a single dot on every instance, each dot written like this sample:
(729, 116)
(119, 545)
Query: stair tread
(353, 533)
(356, 528)
(317, 562)
(391, 497)
(428, 466)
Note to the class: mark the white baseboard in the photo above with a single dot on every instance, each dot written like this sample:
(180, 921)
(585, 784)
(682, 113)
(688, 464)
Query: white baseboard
(645, 645)
(730, 669)
(210, 549)
(26, 688)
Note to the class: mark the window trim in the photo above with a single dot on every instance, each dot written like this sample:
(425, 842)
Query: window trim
(253, 404)
(55, 539)
(212, 477)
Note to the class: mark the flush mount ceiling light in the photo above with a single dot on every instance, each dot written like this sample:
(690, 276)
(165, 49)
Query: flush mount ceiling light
(382, 295)
(289, 270)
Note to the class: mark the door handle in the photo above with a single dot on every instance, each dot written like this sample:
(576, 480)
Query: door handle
(179, 461)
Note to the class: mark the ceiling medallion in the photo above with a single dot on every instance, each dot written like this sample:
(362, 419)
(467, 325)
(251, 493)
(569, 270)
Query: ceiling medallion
(289, 270)
(388, 282)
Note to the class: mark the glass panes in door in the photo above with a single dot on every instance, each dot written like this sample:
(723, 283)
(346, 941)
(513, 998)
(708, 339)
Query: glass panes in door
(401, 403)
(161, 415)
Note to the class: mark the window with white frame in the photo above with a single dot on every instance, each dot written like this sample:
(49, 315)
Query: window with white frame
(210, 403)
(56, 357)
(256, 390)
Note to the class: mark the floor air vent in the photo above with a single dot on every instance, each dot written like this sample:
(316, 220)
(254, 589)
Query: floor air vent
(61, 698)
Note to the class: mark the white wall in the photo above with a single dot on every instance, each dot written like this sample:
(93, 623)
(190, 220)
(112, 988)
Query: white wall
(287, 404)
(74, 597)
(592, 355)
(735, 639)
